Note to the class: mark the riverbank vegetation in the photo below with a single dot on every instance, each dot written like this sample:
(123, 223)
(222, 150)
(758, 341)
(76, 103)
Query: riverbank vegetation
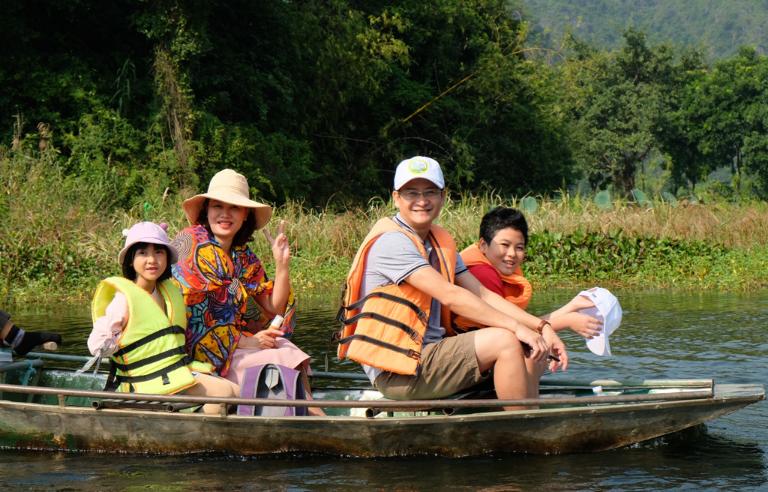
(57, 242)
(649, 164)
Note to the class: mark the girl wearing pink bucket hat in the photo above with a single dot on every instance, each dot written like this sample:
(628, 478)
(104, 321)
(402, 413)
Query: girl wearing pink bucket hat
(139, 321)
(230, 300)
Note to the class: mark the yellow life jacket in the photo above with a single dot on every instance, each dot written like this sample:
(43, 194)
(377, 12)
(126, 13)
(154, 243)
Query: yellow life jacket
(517, 289)
(150, 357)
(385, 329)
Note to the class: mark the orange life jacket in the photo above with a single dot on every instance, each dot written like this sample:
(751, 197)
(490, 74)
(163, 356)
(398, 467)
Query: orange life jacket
(517, 289)
(385, 329)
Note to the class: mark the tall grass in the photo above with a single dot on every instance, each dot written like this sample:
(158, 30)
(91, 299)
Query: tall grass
(49, 230)
(733, 225)
(57, 238)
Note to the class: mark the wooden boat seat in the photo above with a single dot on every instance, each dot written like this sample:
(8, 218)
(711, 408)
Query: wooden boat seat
(478, 393)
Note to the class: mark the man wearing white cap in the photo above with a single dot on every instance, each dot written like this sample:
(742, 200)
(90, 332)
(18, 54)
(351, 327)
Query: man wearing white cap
(405, 280)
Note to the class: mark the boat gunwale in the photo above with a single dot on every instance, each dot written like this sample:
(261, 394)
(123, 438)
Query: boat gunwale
(380, 404)
(739, 399)
(733, 393)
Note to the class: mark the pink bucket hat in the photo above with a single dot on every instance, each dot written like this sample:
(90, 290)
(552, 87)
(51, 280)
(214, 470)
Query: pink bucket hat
(230, 187)
(147, 232)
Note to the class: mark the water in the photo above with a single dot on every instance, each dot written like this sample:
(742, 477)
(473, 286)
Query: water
(664, 335)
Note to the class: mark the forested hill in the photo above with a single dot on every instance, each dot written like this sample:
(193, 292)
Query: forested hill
(317, 101)
(718, 27)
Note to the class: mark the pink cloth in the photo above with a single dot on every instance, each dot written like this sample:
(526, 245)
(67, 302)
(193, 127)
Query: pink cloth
(285, 354)
(107, 329)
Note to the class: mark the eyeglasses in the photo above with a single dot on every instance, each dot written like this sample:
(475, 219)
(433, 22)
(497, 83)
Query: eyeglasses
(411, 195)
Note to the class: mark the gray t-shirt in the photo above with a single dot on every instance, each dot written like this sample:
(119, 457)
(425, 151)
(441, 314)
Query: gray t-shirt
(391, 259)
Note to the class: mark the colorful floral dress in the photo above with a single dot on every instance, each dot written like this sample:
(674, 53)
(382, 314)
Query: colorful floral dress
(216, 289)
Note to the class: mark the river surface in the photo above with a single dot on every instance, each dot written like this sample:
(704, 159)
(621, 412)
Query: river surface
(664, 335)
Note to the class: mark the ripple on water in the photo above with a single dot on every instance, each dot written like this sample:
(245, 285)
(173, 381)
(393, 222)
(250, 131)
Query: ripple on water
(663, 336)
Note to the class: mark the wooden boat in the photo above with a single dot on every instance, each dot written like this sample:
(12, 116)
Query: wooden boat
(48, 408)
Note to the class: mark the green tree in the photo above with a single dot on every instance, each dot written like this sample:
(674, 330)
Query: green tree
(618, 103)
(676, 129)
(732, 108)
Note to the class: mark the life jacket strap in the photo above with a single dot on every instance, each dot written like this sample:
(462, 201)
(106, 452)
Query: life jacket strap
(412, 334)
(171, 330)
(111, 384)
(413, 354)
(149, 360)
(384, 295)
(159, 373)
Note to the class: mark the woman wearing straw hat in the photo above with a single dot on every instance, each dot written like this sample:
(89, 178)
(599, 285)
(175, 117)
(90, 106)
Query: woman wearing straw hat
(218, 275)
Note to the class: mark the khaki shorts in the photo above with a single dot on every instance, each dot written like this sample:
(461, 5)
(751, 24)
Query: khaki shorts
(447, 367)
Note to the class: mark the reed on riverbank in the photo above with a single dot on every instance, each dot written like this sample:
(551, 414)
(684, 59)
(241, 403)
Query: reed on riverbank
(58, 237)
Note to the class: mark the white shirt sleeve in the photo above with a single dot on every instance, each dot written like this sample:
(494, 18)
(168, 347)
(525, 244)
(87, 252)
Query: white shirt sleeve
(107, 329)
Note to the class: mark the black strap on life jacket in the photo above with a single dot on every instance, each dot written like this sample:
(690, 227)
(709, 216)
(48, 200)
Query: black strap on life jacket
(149, 360)
(171, 330)
(413, 354)
(412, 334)
(384, 295)
(112, 383)
(163, 373)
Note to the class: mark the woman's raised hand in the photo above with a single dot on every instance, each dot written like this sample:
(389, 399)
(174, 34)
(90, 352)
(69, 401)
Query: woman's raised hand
(281, 249)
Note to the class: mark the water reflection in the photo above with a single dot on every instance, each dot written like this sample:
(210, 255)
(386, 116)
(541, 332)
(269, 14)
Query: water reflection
(664, 335)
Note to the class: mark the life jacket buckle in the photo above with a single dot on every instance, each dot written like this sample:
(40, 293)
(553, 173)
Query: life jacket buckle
(414, 354)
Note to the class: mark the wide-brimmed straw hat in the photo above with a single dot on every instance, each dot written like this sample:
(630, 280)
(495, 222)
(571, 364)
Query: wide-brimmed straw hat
(150, 233)
(230, 187)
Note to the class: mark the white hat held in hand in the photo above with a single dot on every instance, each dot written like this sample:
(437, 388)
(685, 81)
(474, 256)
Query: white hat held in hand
(608, 310)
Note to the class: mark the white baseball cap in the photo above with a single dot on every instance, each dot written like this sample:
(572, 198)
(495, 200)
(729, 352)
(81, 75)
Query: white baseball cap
(419, 167)
(608, 310)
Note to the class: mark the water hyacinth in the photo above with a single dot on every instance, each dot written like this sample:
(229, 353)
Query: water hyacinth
(58, 238)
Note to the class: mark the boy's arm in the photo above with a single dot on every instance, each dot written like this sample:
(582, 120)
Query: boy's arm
(578, 302)
(463, 302)
(469, 282)
(568, 316)
(583, 324)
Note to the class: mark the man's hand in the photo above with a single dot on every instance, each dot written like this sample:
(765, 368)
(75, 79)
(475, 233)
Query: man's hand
(557, 348)
(537, 347)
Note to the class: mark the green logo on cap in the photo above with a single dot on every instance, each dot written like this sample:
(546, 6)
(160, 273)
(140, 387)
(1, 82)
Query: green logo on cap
(418, 166)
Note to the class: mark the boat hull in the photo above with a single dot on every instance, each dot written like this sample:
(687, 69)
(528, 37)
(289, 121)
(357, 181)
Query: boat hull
(538, 431)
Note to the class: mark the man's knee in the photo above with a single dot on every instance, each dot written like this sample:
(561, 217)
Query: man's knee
(510, 348)
(492, 344)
